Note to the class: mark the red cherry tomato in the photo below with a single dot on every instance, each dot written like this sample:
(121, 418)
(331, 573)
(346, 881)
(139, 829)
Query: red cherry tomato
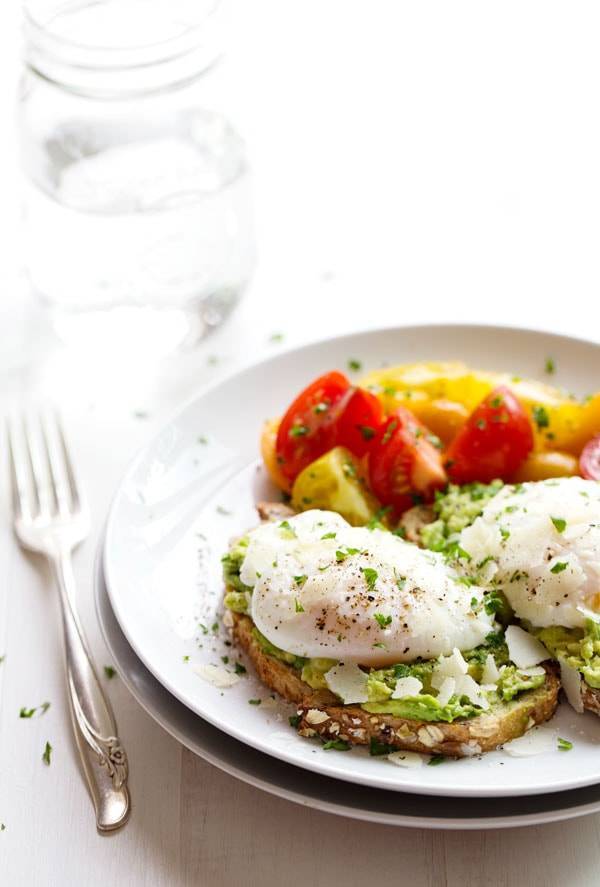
(493, 442)
(404, 461)
(589, 461)
(359, 416)
(307, 430)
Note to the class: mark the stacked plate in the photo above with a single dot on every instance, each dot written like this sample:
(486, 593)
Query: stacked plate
(159, 589)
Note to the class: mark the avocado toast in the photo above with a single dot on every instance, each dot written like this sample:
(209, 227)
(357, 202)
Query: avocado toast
(504, 700)
(575, 647)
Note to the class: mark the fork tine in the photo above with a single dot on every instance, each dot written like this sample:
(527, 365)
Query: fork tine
(41, 487)
(21, 505)
(56, 467)
(76, 496)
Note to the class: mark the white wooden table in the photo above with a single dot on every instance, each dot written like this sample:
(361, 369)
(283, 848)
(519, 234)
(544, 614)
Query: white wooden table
(413, 162)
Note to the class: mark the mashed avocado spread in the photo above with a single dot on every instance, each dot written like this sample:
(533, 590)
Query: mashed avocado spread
(580, 648)
(456, 508)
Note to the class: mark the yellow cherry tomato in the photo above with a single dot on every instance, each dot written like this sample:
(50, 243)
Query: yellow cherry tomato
(268, 439)
(543, 465)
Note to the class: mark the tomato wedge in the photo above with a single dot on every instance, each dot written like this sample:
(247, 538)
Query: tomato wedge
(405, 462)
(307, 429)
(493, 442)
(359, 417)
(589, 461)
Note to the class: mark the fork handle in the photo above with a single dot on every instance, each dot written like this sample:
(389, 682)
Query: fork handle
(102, 755)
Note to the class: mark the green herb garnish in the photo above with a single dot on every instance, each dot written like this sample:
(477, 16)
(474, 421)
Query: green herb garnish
(559, 566)
(382, 621)
(47, 753)
(560, 523)
(371, 576)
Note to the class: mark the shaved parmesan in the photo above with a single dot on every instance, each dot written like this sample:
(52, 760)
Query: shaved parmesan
(589, 614)
(316, 716)
(466, 686)
(571, 684)
(446, 691)
(407, 687)
(348, 682)
(217, 676)
(523, 649)
(452, 666)
(406, 759)
(533, 671)
(490, 673)
(536, 742)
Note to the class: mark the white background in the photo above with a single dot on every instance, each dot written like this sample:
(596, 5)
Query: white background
(412, 161)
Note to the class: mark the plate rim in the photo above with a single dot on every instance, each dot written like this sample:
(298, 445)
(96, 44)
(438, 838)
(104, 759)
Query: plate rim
(313, 765)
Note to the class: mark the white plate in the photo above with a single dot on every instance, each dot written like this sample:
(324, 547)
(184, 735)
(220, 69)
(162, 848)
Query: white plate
(308, 789)
(194, 487)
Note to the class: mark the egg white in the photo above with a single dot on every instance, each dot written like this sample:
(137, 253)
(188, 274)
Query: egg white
(517, 533)
(312, 602)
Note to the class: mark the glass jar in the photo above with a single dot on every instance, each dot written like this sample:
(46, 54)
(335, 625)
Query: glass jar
(137, 201)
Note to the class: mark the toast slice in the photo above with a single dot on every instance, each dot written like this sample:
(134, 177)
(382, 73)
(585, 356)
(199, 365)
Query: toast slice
(321, 713)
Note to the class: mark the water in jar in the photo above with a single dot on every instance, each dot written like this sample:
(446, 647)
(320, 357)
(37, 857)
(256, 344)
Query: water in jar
(136, 213)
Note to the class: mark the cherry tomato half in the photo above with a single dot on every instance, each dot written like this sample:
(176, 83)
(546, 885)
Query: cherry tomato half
(493, 442)
(404, 461)
(307, 430)
(589, 461)
(359, 417)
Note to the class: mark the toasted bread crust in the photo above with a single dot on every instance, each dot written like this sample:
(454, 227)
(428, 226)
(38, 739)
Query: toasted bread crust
(462, 738)
(413, 521)
(590, 698)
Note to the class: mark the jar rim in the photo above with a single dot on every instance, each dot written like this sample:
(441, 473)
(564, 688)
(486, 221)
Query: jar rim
(123, 68)
(36, 27)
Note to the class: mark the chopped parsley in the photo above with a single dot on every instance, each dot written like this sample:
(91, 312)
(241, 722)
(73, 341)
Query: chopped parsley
(300, 580)
(496, 402)
(481, 424)
(371, 576)
(400, 582)
(288, 531)
(27, 712)
(337, 744)
(367, 432)
(564, 744)
(294, 720)
(354, 365)
(254, 701)
(329, 536)
(276, 338)
(239, 668)
(559, 566)
(377, 748)
(298, 431)
(541, 417)
(383, 621)
(435, 760)
(550, 366)
(299, 607)
(389, 431)
(47, 753)
(560, 523)
(186, 658)
(320, 407)
(504, 533)
(224, 659)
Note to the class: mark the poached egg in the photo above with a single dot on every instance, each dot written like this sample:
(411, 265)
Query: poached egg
(540, 543)
(322, 588)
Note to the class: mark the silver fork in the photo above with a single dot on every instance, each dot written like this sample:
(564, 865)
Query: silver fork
(52, 518)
